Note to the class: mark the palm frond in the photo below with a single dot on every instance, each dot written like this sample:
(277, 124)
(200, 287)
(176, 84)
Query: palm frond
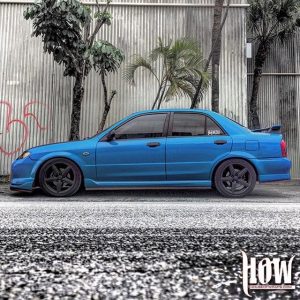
(181, 67)
(185, 45)
(137, 62)
(161, 50)
(272, 19)
(179, 87)
(205, 82)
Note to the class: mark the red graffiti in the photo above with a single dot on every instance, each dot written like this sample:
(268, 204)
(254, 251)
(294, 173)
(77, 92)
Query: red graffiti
(10, 122)
(29, 114)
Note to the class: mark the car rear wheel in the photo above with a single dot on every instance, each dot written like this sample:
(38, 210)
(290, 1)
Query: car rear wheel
(60, 177)
(235, 178)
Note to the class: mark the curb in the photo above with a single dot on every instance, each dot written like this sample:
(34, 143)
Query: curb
(4, 179)
(292, 182)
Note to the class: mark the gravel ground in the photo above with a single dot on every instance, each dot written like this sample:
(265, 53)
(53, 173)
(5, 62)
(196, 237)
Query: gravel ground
(143, 245)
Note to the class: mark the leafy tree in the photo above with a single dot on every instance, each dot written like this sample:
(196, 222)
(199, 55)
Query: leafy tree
(106, 59)
(181, 69)
(66, 30)
(269, 21)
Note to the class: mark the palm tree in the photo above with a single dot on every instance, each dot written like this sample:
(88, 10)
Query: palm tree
(269, 21)
(181, 69)
(216, 54)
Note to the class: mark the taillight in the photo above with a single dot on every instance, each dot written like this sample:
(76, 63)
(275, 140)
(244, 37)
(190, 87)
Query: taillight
(283, 148)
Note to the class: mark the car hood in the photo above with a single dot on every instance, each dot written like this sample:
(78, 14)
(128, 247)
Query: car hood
(62, 147)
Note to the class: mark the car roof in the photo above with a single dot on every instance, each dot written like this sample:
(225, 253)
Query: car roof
(229, 125)
(175, 110)
(168, 110)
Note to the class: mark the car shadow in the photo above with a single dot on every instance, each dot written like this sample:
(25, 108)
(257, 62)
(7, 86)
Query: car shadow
(261, 193)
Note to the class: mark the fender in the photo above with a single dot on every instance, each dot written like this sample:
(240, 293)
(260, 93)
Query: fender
(233, 154)
(89, 170)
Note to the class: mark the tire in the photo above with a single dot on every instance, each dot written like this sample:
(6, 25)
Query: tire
(235, 178)
(60, 177)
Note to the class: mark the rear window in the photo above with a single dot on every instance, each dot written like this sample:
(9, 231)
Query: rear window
(192, 124)
(212, 128)
(246, 129)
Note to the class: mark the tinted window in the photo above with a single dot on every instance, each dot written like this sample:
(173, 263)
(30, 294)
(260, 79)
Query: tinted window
(212, 128)
(194, 125)
(147, 126)
(188, 125)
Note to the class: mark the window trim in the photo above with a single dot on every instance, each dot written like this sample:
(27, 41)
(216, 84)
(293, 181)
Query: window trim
(171, 122)
(164, 132)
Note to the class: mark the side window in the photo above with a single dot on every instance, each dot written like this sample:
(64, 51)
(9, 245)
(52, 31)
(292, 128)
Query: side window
(146, 126)
(212, 128)
(188, 125)
(193, 124)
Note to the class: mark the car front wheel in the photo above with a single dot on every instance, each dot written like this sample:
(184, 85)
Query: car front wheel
(235, 178)
(60, 177)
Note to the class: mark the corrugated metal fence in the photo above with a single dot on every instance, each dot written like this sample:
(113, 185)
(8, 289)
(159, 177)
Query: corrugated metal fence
(35, 97)
(278, 100)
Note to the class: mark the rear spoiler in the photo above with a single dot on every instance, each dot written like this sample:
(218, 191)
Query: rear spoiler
(272, 129)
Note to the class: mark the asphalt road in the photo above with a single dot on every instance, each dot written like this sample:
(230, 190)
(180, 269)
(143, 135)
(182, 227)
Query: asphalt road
(143, 244)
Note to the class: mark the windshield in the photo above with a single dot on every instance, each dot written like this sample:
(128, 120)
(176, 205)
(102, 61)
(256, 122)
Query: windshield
(98, 132)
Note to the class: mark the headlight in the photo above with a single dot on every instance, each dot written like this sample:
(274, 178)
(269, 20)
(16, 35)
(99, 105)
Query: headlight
(24, 155)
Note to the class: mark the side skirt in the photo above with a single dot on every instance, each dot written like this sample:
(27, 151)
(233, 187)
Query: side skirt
(96, 185)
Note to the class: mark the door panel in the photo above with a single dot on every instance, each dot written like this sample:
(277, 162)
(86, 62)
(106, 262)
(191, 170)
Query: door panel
(192, 158)
(137, 153)
(131, 160)
(194, 144)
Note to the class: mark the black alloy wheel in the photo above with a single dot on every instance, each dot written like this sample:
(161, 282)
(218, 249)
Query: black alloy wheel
(60, 177)
(235, 178)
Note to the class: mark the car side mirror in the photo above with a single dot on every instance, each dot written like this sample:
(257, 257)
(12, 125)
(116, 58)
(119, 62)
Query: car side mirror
(111, 136)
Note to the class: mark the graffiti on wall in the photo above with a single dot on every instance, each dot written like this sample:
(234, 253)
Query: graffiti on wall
(10, 142)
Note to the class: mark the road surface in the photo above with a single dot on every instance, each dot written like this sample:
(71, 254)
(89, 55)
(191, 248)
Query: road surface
(143, 244)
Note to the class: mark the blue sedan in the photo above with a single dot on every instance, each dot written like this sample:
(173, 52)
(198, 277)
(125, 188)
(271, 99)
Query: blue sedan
(158, 149)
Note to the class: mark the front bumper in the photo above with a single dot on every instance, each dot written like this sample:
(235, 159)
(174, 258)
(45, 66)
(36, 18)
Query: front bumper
(22, 177)
(273, 169)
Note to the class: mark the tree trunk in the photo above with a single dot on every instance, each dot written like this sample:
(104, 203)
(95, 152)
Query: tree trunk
(157, 97)
(78, 92)
(260, 58)
(216, 53)
(104, 117)
(195, 99)
(162, 96)
(107, 102)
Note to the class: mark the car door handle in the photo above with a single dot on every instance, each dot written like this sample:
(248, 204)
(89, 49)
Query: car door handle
(153, 144)
(220, 142)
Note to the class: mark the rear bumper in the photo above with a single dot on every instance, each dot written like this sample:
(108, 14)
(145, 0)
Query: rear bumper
(273, 169)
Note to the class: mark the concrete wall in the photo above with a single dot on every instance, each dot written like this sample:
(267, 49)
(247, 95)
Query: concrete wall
(35, 98)
(278, 100)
